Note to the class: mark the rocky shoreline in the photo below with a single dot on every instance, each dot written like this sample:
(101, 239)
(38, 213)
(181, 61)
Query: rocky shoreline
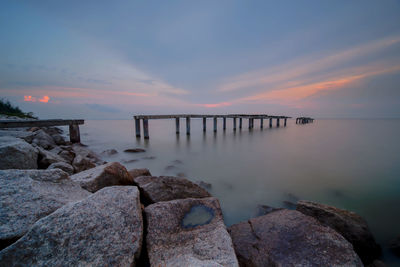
(61, 205)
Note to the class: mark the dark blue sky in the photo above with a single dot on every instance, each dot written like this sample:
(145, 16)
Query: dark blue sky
(112, 59)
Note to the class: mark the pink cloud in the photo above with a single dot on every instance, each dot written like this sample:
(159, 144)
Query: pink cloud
(29, 98)
(216, 105)
(45, 99)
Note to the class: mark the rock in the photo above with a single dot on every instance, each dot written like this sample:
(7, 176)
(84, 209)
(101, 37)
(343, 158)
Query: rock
(83, 151)
(109, 152)
(205, 185)
(52, 130)
(25, 135)
(109, 174)
(58, 139)
(139, 172)
(395, 246)
(130, 160)
(170, 167)
(62, 166)
(182, 174)
(67, 155)
(27, 196)
(289, 238)
(43, 140)
(134, 150)
(349, 224)
(105, 229)
(46, 158)
(149, 157)
(81, 163)
(164, 188)
(34, 129)
(188, 232)
(264, 209)
(15, 153)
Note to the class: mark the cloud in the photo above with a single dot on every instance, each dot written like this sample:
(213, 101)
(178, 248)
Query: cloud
(29, 98)
(216, 105)
(44, 99)
(103, 108)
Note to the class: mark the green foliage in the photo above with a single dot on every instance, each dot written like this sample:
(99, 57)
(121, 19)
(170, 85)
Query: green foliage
(7, 108)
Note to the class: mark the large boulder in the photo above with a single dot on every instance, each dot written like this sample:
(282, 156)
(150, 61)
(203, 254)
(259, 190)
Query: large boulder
(139, 172)
(85, 159)
(109, 174)
(62, 166)
(44, 140)
(290, 238)
(164, 188)
(15, 153)
(188, 232)
(82, 163)
(27, 196)
(349, 224)
(105, 229)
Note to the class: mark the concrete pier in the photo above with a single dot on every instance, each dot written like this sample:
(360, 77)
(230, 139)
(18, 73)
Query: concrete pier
(74, 133)
(177, 120)
(146, 128)
(187, 125)
(304, 120)
(188, 117)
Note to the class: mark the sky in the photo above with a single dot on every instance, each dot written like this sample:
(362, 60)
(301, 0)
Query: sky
(114, 59)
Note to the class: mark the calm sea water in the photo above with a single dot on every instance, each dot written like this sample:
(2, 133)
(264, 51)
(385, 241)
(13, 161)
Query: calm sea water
(351, 164)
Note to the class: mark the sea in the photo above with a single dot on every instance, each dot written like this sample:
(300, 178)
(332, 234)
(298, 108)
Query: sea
(353, 164)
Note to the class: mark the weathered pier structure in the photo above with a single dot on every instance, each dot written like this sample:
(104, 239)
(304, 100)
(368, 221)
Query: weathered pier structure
(237, 121)
(304, 120)
(74, 133)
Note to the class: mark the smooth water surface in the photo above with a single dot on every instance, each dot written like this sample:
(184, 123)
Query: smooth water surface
(351, 164)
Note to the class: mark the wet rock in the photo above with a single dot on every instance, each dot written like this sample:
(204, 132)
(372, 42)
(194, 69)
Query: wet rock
(289, 238)
(183, 175)
(62, 166)
(46, 158)
(349, 224)
(81, 163)
(105, 229)
(188, 232)
(34, 129)
(43, 140)
(109, 152)
(264, 209)
(134, 150)
(149, 157)
(52, 130)
(395, 246)
(28, 195)
(109, 174)
(170, 167)
(84, 152)
(139, 172)
(15, 153)
(164, 188)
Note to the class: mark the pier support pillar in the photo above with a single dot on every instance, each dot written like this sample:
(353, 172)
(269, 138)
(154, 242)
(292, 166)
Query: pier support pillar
(277, 122)
(215, 124)
(224, 123)
(284, 122)
(250, 120)
(177, 125)
(137, 127)
(240, 123)
(234, 124)
(261, 123)
(270, 122)
(146, 128)
(74, 134)
(187, 125)
(204, 124)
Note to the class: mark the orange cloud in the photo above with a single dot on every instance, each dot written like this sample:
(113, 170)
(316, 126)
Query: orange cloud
(29, 98)
(45, 99)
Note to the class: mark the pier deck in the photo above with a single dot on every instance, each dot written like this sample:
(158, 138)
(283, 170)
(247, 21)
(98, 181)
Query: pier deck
(251, 117)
